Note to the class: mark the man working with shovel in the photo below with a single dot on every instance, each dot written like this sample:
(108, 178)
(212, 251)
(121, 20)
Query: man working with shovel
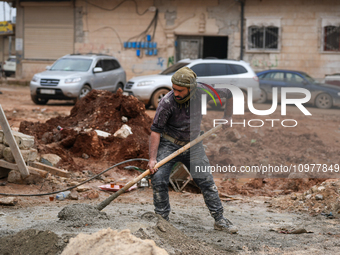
(177, 122)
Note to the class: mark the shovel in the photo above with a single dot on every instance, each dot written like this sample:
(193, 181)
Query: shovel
(107, 201)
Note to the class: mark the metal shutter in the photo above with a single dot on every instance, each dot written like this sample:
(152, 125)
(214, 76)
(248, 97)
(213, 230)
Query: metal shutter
(49, 32)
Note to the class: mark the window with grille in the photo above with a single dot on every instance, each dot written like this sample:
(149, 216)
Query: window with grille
(331, 38)
(263, 38)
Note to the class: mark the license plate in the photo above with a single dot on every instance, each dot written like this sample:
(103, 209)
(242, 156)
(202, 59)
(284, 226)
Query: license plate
(125, 93)
(47, 91)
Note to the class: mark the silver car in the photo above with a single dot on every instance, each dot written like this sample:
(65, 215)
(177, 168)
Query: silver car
(73, 76)
(150, 89)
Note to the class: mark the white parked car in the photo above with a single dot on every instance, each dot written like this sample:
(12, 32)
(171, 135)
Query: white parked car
(150, 89)
(73, 76)
(10, 66)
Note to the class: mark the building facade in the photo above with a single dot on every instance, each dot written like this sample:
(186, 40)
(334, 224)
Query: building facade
(147, 36)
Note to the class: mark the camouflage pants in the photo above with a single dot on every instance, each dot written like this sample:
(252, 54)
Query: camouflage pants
(192, 157)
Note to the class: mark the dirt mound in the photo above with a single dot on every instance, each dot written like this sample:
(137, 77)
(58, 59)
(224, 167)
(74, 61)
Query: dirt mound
(81, 212)
(108, 241)
(32, 242)
(99, 110)
(267, 186)
(320, 199)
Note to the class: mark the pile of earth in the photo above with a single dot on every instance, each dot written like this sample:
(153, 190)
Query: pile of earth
(111, 242)
(99, 110)
(321, 199)
(32, 241)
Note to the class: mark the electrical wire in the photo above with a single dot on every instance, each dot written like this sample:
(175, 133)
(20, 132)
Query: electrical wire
(114, 8)
(55, 192)
(151, 28)
(108, 27)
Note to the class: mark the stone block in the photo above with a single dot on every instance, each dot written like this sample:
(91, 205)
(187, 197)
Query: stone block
(23, 141)
(27, 155)
(52, 158)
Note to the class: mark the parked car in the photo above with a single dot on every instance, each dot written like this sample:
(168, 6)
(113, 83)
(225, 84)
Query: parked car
(73, 76)
(333, 79)
(10, 65)
(150, 89)
(323, 95)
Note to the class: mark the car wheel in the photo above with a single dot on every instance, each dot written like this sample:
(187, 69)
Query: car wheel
(323, 101)
(157, 97)
(120, 86)
(263, 98)
(39, 101)
(84, 91)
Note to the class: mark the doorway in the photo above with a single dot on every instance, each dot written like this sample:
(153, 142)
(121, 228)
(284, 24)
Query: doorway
(195, 47)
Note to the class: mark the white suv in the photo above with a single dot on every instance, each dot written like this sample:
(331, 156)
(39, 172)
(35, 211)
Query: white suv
(150, 89)
(73, 76)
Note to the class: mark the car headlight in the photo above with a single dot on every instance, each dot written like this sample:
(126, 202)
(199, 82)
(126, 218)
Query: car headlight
(35, 79)
(145, 83)
(73, 80)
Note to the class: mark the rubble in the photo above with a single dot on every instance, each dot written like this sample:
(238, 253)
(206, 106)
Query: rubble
(78, 137)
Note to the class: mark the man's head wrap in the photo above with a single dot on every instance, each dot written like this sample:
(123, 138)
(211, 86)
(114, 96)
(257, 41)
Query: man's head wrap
(185, 77)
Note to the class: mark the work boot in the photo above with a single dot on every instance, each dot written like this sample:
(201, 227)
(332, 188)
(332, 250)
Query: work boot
(225, 225)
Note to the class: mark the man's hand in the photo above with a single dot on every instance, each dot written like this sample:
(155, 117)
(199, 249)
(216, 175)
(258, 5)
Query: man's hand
(151, 166)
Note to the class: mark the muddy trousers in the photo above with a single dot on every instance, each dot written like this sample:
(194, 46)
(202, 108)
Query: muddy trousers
(194, 159)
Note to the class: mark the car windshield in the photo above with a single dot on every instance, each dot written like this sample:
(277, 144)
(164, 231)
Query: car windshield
(174, 68)
(307, 77)
(72, 64)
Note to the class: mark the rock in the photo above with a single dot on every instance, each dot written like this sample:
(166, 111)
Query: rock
(2, 147)
(1, 137)
(27, 155)
(85, 156)
(108, 241)
(92, 194)
(8, 201)
(123, 132)
(233, 135)
(52, 158)
(102, 133)
(73, 195)
(321, 188)
(319, 197)
(293, 197)
(82, 188)
(24, 141)
(309, 196)
(14, 176)
(124, 119)
(74, 183)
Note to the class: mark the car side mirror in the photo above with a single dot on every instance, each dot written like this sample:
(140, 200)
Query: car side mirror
(48, 67)
(304, 82)
(97, 70)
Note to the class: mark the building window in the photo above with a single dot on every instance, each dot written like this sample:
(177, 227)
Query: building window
(331, 38)
(263, 38)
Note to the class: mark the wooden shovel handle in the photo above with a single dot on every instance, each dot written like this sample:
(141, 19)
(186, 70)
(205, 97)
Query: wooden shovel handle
(107, 201)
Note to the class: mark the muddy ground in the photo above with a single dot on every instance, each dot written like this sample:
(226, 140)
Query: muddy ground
(266, 211)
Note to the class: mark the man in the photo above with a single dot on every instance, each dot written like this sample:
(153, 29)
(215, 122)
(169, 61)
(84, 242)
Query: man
(177, 122)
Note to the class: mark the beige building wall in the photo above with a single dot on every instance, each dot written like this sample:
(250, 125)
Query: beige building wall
(301, 35)
(103, 31)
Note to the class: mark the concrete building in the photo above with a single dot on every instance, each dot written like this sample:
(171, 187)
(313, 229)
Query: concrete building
(292, 34)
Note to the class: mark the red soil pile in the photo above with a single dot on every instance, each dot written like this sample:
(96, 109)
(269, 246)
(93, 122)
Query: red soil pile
(99, 110)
